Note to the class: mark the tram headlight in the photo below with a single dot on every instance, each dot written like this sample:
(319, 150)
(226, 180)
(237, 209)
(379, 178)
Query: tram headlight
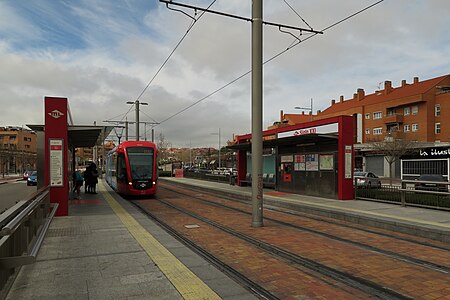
(130, 183)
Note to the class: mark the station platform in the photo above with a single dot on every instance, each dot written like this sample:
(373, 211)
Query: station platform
(108, 249)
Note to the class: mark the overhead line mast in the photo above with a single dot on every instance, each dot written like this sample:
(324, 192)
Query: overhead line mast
(257, 94)
(169, 2)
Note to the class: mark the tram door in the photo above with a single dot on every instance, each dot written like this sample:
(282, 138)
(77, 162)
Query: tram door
(286, 173)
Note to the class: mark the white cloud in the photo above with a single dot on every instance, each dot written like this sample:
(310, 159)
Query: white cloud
(101, 55)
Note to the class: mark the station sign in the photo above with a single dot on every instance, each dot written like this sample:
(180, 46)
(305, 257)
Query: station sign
(323, 129)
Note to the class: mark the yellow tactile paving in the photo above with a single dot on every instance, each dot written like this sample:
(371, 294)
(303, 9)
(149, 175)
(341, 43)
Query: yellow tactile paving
(186, 282)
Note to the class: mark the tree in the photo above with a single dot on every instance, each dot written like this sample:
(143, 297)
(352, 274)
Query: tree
(392, 148)
(163, 147)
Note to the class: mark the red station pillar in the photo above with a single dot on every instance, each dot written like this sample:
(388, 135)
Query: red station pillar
(56, 152)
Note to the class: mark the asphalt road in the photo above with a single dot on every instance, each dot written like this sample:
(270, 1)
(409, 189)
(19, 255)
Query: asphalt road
(12, 192)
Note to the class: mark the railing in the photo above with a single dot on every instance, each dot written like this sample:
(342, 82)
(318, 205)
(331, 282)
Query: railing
(22, 231)
(406, 194)
(393, 118)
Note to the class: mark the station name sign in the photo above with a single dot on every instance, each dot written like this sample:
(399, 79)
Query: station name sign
(324, 129)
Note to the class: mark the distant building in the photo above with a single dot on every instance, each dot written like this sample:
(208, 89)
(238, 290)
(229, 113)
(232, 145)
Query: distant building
(17, 149)
(414, 111)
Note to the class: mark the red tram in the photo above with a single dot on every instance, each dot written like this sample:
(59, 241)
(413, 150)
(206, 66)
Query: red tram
(132, 169)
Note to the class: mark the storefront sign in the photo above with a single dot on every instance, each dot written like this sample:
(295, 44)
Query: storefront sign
(329, 128)
(56, 162)
(434, 152)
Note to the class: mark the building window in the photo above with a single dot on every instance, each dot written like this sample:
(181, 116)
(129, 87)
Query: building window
(377, 115)
(392, 128)
(415, 127)
(391, 112)
(377, 131)
(367, 130)
(406, 128)
(367, 116)
(406, 111)
(437, 128)
(437, 110)
(414, 110)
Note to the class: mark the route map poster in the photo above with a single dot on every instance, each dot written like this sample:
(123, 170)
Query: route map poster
(56, 162)
(326, 162)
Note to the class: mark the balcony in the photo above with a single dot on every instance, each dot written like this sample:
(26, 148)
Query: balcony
(393, 119)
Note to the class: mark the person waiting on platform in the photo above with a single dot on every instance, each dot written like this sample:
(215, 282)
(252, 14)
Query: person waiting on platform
(87, 179)
(91, 179)
(77, 184)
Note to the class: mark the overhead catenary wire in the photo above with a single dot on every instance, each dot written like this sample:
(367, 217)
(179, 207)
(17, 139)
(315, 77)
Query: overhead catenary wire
(165, 62)
(294, 44)
(297, 14)
(173, 51)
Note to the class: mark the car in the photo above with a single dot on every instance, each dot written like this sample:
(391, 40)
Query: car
(32, 179)
(433, 184)
(26, 174)
(367, 179)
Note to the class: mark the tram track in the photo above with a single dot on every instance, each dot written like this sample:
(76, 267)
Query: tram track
(361, 284)
(394, 255)
(379, 232)
(250, 285)
(351, 266)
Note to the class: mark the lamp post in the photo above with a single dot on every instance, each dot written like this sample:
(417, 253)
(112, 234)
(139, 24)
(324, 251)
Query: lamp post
(307, 108)
(219, 146)
(137, 115)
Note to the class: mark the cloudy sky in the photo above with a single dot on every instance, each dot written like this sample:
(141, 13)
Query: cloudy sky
(101, 54)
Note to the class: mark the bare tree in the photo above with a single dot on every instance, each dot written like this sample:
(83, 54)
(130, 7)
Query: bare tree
(392, 148)
(163, 147)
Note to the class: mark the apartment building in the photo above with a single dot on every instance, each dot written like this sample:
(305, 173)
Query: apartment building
(414, 111)
(17, 149)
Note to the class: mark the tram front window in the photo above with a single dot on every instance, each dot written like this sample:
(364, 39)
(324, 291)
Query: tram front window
(141, 162)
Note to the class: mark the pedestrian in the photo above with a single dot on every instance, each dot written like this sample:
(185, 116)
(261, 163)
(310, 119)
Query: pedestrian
(94, 178)
(87, 180)
(77, 184)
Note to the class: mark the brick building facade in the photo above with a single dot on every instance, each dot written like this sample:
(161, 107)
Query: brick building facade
(413, 111)
(17, 150)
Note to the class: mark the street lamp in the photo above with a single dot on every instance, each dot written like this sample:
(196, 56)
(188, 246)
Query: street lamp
(219, 146)
(137, 115)
(307, 108)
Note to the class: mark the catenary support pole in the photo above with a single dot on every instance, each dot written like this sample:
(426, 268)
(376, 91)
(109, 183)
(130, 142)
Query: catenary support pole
(257, 100)
(137, 120)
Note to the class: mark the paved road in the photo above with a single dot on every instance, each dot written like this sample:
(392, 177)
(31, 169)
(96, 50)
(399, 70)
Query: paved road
(12, 192)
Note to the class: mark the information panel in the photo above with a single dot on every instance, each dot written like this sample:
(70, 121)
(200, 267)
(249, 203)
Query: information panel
(348, 161)
(56, 162)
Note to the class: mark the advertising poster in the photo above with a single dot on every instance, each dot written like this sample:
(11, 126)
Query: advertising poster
(299, 164)
(312, 162)
(56, 162)
(287, 158)
(326, 161)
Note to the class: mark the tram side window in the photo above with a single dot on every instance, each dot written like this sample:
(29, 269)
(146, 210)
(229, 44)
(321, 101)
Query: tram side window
(121, 167)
